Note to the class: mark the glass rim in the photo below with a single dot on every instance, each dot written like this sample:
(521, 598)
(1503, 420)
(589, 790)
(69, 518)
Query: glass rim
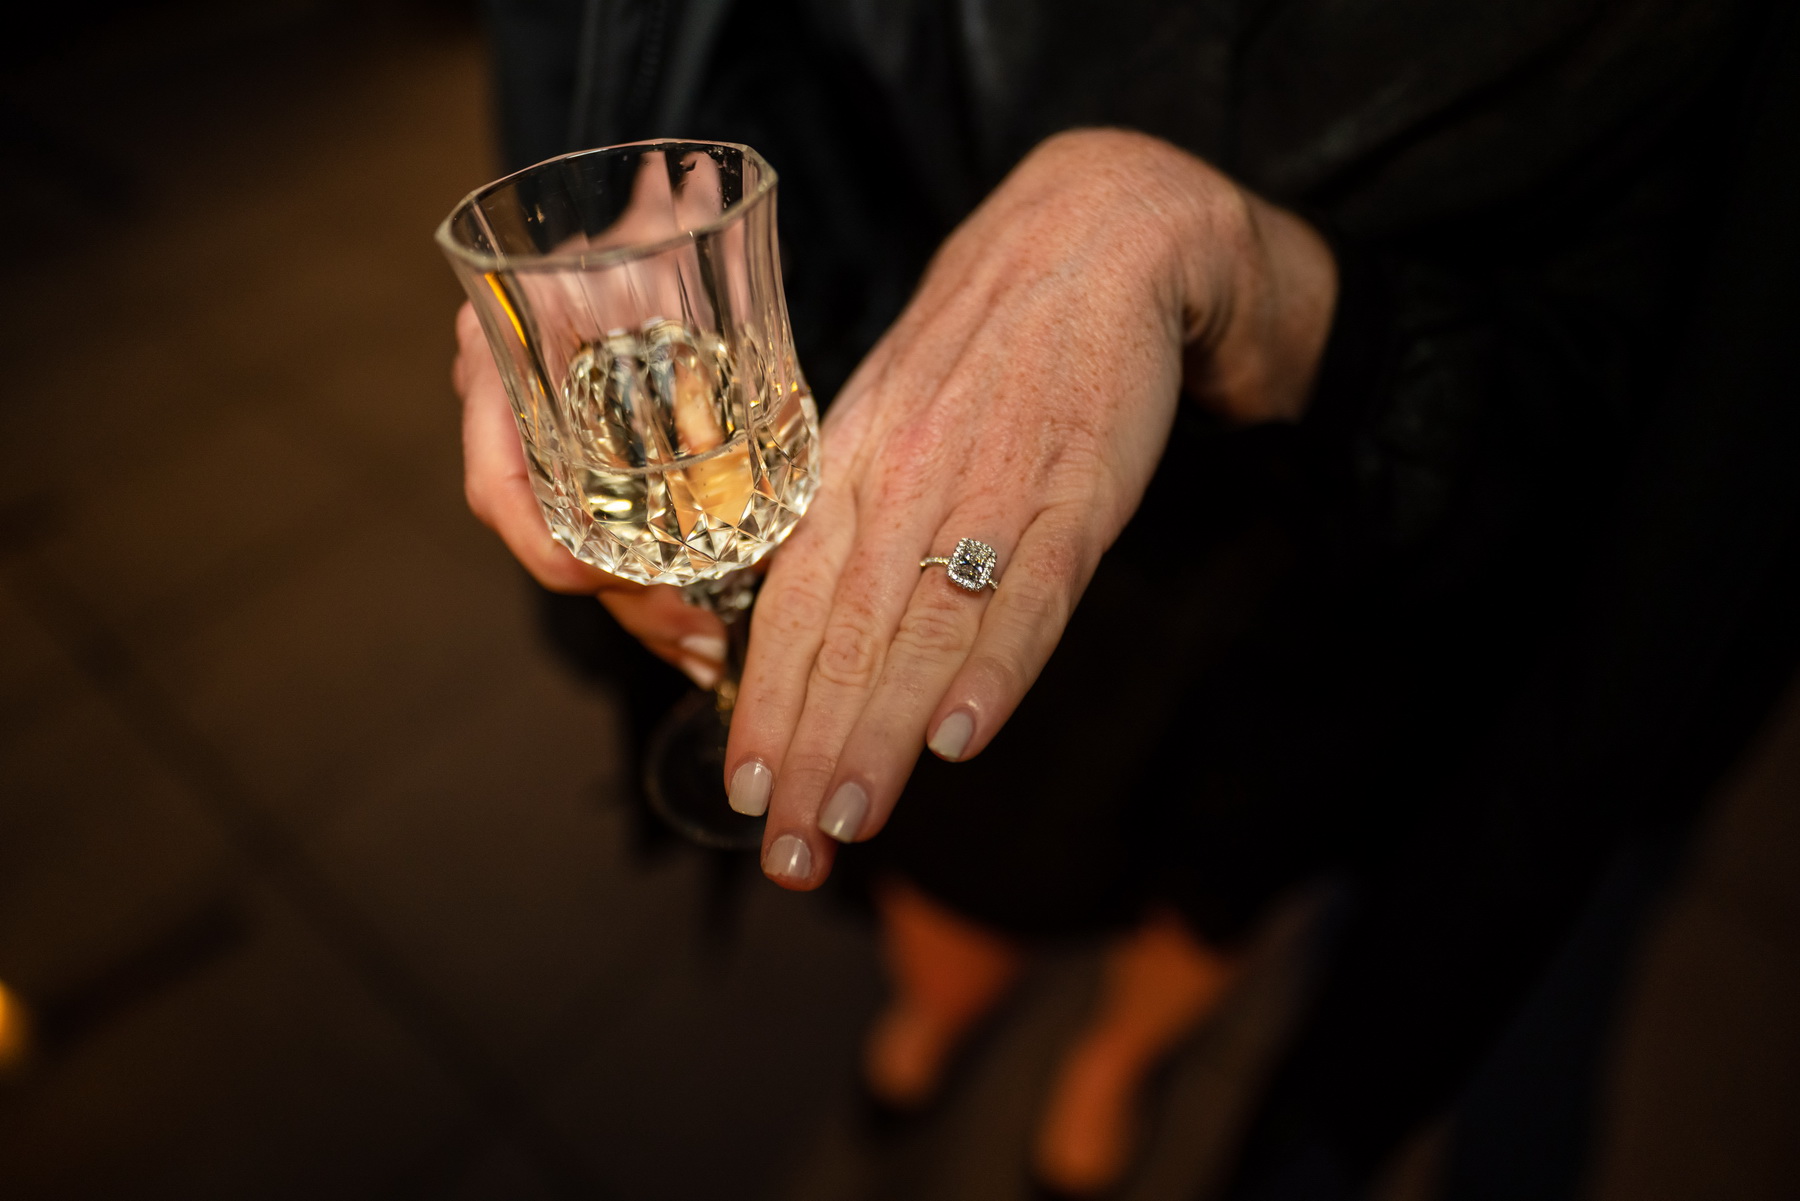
(485, 261)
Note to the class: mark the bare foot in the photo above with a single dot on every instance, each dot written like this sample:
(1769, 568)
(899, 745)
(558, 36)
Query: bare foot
(1159, 983)
(947, 974)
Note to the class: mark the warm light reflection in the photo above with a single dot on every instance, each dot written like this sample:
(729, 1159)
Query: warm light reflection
(499, 290)
(12, 1030)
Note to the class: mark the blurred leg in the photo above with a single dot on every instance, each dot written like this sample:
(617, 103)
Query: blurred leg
(947, 974)
(1159, 983)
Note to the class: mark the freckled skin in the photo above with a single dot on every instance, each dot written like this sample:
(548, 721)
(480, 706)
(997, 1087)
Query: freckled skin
(1023, 398)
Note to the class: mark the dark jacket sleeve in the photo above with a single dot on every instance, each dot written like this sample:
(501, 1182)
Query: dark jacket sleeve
(1652, 550)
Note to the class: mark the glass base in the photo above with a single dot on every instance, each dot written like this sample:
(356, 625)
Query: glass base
(684, 767)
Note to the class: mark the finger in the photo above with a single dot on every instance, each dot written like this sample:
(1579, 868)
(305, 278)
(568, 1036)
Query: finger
(1037, 592)
(866, 610)
(786, 629)
(683, 636)
(495, 478)
(929, 648)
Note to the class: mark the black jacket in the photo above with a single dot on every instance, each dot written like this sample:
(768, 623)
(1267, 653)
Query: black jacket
(1552, 465)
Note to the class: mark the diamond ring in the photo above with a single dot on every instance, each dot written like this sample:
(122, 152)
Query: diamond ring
(971, 565)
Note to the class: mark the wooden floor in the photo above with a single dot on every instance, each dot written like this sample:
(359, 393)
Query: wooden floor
(313, 861)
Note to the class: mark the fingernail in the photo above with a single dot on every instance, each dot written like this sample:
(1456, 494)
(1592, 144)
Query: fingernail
(952, 737)
(704, 646)
(700, 671)
(845, 812)
(789, 858)
(749, 791)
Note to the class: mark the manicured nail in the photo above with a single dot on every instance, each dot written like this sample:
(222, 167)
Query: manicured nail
(704, 646)
(845, 812)
(749, 791)
(789, 858)
(952, 737)
(700, 671)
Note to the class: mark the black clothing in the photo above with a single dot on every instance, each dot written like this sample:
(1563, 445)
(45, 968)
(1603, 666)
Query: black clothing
(1516, 587)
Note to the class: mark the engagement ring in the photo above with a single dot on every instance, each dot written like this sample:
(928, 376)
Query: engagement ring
(971, 565)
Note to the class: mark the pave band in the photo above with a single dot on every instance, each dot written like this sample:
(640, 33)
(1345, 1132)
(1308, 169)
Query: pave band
(970, 565)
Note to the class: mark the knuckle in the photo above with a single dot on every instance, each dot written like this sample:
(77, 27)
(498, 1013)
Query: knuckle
(913, 444)
(809, 767)
(998, 676)
(790, 606)
(909, 461)
(549, 573)
(558, 577)
(849, 656)
(933, 631)
(1072, 448)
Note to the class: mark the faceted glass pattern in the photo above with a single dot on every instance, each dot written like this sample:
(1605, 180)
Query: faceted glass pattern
(632, 298)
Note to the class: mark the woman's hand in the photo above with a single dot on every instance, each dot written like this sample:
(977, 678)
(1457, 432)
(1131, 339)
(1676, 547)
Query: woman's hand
(1023, 399)
(499, 493)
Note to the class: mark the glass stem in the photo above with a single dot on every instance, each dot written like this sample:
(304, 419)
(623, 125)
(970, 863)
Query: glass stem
(730, 597)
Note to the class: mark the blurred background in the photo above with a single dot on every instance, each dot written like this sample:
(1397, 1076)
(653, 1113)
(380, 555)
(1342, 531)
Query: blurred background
(317, 878)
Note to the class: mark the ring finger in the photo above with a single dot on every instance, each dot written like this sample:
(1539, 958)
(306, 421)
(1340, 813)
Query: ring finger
(871, 618)
(960, 687)
(941, 624)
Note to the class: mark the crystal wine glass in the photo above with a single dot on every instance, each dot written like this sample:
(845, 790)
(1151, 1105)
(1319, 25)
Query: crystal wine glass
(632, 298)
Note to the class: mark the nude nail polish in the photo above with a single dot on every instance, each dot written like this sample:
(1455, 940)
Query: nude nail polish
(952, 736)
(700, 671)
(704, 646)
(749, 791)
(788, 858)
(845, 812)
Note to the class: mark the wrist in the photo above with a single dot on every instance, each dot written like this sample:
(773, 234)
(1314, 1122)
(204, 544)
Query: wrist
(1249, 287)
(1260, 358)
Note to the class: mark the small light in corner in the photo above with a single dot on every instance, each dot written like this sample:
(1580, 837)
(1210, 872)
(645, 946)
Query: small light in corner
(14, 1031)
